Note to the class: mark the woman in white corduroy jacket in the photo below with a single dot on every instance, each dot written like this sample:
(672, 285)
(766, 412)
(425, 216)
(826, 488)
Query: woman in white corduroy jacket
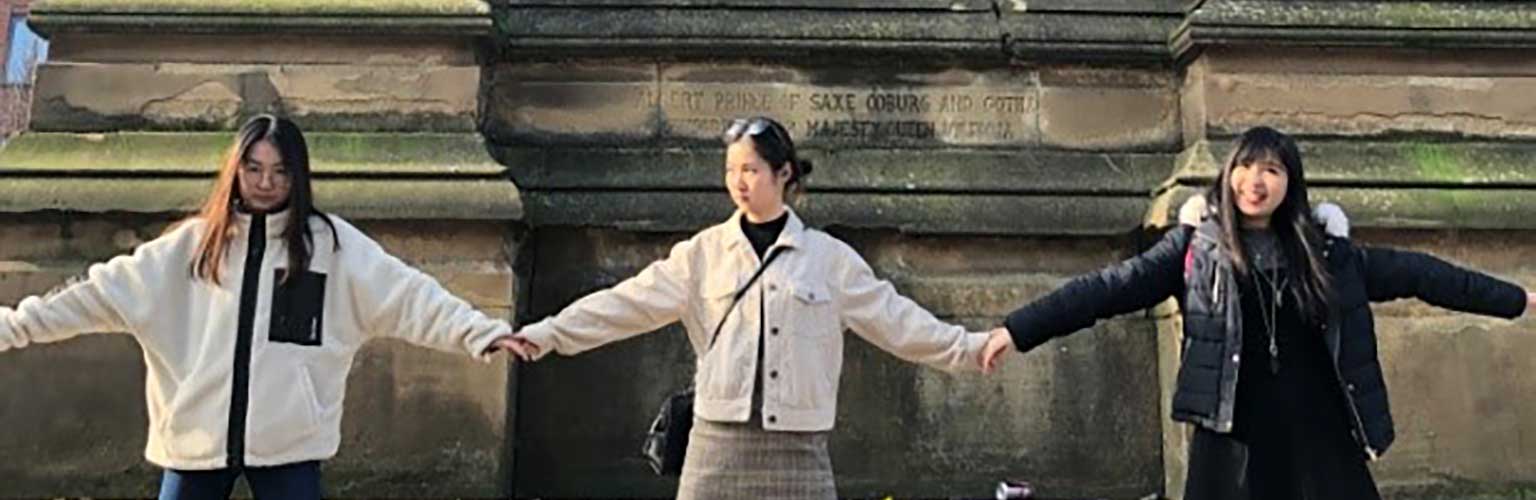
(249, 314)
(767, 386)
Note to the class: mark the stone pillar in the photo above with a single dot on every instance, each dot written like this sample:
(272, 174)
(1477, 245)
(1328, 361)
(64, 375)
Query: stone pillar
(5, 33)
(1417, 121)
(133, 113)
(957, 149)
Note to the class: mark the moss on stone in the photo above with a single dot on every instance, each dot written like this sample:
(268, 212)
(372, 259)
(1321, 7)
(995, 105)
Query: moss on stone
(1388, 163)
(1434, 162)
(182, 153)
(351, 198)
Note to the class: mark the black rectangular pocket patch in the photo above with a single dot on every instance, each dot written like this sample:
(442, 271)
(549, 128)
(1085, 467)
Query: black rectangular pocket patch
(298, 308)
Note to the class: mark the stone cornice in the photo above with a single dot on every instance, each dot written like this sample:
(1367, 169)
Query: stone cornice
(369, 176)
(1364, 23)
(799, 29)
(440, 17)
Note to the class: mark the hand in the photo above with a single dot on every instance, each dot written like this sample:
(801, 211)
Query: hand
(518, 345)
(1530, 302)
(998, 342)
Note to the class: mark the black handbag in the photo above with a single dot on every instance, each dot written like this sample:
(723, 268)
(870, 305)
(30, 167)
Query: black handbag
(667, 442)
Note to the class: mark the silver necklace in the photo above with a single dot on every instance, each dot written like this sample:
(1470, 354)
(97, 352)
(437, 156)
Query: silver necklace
(1271, 311)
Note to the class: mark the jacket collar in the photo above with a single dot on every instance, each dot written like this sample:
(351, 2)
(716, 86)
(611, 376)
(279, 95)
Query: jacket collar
(791, 237)
(276, 222)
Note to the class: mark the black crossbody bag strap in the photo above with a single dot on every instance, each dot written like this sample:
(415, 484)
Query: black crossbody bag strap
(772, 254)
(666, 444)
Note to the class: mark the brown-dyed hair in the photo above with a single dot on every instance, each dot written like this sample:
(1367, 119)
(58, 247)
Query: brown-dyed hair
(218, 210)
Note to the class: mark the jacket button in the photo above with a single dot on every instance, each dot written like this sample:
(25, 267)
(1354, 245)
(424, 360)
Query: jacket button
(773, 287)
(1349, 387)
(773, 374)
(1237, 358)
(774, 330)
(772, 419)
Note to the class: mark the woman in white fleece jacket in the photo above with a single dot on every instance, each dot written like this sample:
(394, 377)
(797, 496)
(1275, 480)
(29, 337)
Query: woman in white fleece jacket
(248, 358)
(767, 385)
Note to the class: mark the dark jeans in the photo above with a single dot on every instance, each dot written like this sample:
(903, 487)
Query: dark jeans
(300, 481)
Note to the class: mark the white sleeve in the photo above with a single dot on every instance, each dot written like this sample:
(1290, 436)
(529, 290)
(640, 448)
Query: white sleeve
(650, 300)
(394, 299)
(873, 309)
(114, 296)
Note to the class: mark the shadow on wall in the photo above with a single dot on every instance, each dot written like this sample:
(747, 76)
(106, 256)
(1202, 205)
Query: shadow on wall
(23, 50)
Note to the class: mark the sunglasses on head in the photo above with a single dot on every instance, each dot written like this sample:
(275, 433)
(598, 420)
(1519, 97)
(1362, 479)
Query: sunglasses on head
(750, 127)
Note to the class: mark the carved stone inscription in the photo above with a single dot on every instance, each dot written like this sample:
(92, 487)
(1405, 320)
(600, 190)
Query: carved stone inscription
(696, 102)
(867, 114)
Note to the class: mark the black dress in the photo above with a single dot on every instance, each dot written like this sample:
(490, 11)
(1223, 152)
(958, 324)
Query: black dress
(1291, 436)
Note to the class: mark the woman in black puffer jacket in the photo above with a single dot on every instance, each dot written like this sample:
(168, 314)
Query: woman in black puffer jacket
(1280, 374)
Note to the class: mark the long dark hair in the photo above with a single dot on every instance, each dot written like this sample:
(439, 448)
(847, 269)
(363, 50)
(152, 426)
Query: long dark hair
(1298, 232)
(771, 141)
(218, 210)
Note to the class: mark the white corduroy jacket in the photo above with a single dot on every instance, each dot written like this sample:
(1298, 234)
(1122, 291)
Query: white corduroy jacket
(251, 372)
(809, 296)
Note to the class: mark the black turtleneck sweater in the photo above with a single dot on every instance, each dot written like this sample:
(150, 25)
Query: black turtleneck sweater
(761, 236)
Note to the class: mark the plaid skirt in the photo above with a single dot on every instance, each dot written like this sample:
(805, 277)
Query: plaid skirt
(742, 460)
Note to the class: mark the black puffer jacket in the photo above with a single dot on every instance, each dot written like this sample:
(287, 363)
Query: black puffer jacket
(1187, 263)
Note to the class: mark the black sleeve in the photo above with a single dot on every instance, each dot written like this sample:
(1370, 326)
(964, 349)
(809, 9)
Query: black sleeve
(1396, 274)
(1134, 284)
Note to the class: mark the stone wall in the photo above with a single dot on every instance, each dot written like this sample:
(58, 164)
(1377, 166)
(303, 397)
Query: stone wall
(977, 154)
(15, 109)
(1412, 118)
(134, 111)
(418, 422)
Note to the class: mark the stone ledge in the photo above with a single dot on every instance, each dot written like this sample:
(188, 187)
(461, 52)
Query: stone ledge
(1398, 208)
(359, 176)
(1061, 30)
(951, 214)
(1126, 6)
(954, 171)
(266, 7)
(200, 154)
(1501, 165)
(358, 199)
(1374, 23)
(86, 97)
(1368, 14)
(1073, 36)
(774, 32)
(446, 17)
(864, 5)
(1394, 185)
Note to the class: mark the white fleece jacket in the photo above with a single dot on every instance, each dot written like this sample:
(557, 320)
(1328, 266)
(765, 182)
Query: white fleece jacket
(280, 351)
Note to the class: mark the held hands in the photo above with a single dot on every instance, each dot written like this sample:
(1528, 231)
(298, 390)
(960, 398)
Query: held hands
(998, 343)
(517, 345)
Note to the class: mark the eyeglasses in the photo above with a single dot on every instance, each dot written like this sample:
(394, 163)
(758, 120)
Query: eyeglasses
(745, 127)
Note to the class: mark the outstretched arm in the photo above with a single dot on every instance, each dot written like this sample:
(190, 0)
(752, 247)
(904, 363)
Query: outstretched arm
(1131, 285)
(400, 301)
(1396, 274)
(650, 300)
(873, 309)
(115, 296)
